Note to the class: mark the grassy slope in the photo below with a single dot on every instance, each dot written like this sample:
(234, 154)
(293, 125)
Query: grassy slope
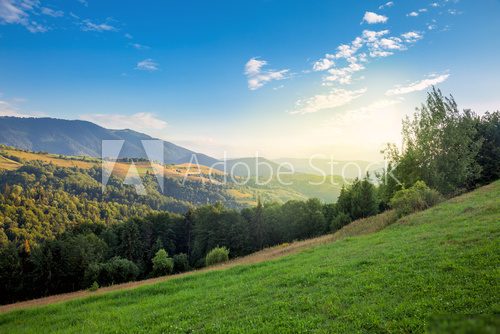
(436, 270)
(8, 164)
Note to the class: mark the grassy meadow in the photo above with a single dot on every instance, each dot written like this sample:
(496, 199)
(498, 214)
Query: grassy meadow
(433, 271)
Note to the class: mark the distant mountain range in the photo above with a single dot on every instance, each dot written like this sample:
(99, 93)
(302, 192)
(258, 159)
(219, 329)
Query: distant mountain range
(75, 137)
(349, 169)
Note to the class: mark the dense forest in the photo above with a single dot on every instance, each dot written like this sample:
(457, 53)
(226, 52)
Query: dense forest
(60, 233)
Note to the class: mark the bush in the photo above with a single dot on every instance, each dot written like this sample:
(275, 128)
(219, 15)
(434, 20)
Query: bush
(340, 221)
(118, 270)
(94, 287)
(162, 264)
(181, 263)
(416, 198)
(217, 255)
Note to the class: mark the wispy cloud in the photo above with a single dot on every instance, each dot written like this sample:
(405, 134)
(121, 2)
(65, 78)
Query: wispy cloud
(88, 25)
(372, 18)
(141, 121)
(52, 12)
(386, 5)
(11, 109)
(147, 65)
(412, 14)
(19, 12)
(416, 86)
(257, 77)
(84, 2)
(138, 46)
(333, 99)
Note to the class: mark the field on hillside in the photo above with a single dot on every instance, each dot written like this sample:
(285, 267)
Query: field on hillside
(8, 164)
(244, 194)
(434, 271)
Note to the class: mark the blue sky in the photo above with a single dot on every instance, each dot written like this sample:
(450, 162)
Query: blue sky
(284, 78)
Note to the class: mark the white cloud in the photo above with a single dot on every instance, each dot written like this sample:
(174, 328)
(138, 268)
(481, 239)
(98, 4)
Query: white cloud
(88, 25)
(372, 18)
(52, 12)
(19, 12)
(323, 64)
(333, 99)
(147, 65)
(344, 75)
(371, 36)
(143, 121)
(392, 43)
(386, 5)
(413, 14)
(128, 36)
(253, 66)
(9, 13)
(257, 77)
(422, 10)
(84, 2)
(139, 46)
(351, 56)
(418, 85)
(412, 36)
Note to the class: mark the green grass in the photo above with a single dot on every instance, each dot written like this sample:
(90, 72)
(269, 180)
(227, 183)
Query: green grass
(434, 271)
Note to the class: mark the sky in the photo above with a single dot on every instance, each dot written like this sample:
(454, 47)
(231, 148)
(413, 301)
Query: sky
(283, 78)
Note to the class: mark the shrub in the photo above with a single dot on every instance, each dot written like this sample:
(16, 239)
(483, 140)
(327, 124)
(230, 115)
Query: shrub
(118, 270)
(181, 263)
(94, 287)
(416, 198)
(340, 221)
(217, 255)
(162, 264)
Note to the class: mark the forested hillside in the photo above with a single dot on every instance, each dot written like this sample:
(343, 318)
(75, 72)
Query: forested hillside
(433, 271)
(59, 232)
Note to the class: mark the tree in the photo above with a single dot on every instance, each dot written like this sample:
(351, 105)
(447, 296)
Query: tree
(10, 273)
(162, 264)
(117, 270)
(439, 146)
(358, 200)
(181, 263)
(258, 226)
(488, 131)
(339, 221)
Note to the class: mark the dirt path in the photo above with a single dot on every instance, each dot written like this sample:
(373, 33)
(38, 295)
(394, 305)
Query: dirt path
(261, 256)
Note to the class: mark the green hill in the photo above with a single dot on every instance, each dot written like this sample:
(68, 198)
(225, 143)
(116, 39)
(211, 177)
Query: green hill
(434, 271)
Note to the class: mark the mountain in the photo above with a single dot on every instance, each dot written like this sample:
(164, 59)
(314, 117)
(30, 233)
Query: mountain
(251, 166)
(349, 169)
(75, 137)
